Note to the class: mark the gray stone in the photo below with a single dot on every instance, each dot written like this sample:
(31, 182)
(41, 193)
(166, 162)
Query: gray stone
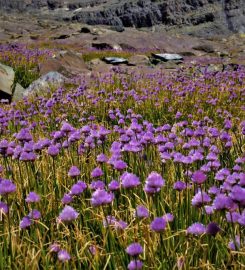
(167, 56)
(18, 92)
(204, 47)
(115, 60)
(85, 30)
(139, 60)
(102, 46)
(50, 79)
(6, 79)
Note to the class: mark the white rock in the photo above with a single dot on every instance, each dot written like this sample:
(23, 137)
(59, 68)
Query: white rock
(168, 56)
(115, 60)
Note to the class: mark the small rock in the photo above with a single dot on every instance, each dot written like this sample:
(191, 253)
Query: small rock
(97, 65)
(188, 54)
(212, 68)
(139, 60)
(127, 47)
(117, 47)
(233, 66)
(115, 60)
(6, 79)
(168, 65)
(223, 54)
(204, 47)
(117, 28)
(102, 46)
(61, 37)
(85, 30)
(167, 56)
(34, 37)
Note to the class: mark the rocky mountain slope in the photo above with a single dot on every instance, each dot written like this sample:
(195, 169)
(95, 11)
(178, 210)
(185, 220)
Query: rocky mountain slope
(218, 15)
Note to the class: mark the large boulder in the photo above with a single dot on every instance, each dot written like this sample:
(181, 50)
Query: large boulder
(65, 62)
(139, 60)
(53, 79)
(6, 79)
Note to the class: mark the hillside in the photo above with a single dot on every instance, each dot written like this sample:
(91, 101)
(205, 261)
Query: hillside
(214, 16)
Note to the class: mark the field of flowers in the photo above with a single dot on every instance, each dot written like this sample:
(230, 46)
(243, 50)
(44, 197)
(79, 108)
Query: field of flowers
(126, 171)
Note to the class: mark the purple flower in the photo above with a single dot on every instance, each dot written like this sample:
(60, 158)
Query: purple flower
(200, 198)
(232, 217)
(66, 127)
(7, 187)
(237, 194)
(55, 247)
(63, 255)
(24, 135)
(92, 249)
(130, 180)
(241, 220)
(32, 197)
(168, 217)
(97, 172)
(27, 156)
(109, 220)
(141, 212)
(114, 185)
(153, 183)
(78, 188)
(158, 224)
(135, 265)
(3, 208)
(235, 244)
(34, 214)
(68, 214)
(67, 198)
(209, 209)
(198, 177)
(196, 229)
(120, 224)
(214, 190)
(102, 158)
(212, 228)
(74, 171)
(181, 263)
(179, 185)
(53, 150)
(134, 249)
(119, 165)
(154, 180)
(25, 222)
(101, 197)
(97, 185)
(222, 201)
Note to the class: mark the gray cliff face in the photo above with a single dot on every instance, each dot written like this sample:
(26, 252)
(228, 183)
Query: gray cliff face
(220, 14)
(22, 5)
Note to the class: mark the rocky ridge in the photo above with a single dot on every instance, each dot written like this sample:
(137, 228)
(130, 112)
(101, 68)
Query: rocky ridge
(219, 15)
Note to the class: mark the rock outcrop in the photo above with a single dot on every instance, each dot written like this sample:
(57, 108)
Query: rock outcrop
(30, 4)
(219, 15)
